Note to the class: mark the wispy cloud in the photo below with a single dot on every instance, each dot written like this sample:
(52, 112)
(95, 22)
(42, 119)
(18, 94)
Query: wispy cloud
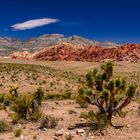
(30, 24)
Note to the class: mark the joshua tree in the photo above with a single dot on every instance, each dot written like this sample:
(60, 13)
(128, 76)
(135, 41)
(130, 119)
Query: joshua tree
(109, 94)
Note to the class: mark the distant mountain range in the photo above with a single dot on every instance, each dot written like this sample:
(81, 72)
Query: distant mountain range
(9, 45)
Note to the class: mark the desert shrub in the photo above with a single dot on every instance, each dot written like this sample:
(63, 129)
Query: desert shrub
(13, 94)
(38, 95)
(53, 122)
(48, 122)
(84, 115)
(13, 91)
(35, 116)
(122, 114)
(99, 122)
(109, 95)
(72, 112)
(15, 118)
(34, 137)
(52, 96)
(25, 107)
(67, 94)
(22, 106)
(80, 99)
(58, 96)
(68, 136)
(2, 97)
(2, 107)
(1, 84)
(44, 123)
(17, 132)
(5, 126)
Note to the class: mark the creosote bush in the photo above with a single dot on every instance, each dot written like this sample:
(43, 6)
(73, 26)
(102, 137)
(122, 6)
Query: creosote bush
(48, 122)
(17, 132)
(2, 97)
(110, 95)
(5, 126)
(12, 96)
(60, 96)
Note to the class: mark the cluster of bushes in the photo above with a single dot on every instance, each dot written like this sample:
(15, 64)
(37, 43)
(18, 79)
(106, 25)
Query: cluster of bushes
(24, 106)
(28, 106)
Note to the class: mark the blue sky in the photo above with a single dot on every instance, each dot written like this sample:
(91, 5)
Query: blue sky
(111, 20)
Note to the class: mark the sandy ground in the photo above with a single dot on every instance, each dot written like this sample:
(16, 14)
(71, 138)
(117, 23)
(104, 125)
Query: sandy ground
(57, 80)
(128, 127)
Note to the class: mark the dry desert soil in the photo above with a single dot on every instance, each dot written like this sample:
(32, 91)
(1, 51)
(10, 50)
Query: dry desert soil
(59, 77)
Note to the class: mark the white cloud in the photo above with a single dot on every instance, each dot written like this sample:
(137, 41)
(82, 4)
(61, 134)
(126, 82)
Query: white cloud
(30, 24)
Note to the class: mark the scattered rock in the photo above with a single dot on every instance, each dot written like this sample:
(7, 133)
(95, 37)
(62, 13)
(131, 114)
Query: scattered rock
(55, 137)
(22, 137)
(68, 136)
(45, 129)
(71, 127)
(44, 123)
(59, 132)
(128, 125)
(80, 132)
(82, 119)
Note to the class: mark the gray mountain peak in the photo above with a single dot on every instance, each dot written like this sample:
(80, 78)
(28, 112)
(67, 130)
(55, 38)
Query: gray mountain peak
(9, 45)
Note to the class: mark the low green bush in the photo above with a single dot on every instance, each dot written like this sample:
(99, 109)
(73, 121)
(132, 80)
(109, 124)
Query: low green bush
(17, 132)
(58, 96)
(5, 126)
(2, 96)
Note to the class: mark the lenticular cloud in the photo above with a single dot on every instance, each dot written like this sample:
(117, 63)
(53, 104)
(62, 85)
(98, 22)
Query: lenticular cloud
(30, 24)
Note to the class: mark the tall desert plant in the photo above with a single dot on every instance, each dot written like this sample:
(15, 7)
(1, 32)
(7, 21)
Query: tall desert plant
(22, 105)
(110, 95)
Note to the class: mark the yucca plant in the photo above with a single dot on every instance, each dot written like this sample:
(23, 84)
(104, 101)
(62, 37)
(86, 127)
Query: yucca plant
(26, 107)
(22, 105)
(109, 94)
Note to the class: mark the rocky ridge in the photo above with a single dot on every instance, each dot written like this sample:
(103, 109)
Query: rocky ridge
(69, 52)
(10, 45)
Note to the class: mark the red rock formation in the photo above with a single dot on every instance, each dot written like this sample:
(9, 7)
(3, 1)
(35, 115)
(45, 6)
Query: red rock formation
(128, 52)
(22, 55)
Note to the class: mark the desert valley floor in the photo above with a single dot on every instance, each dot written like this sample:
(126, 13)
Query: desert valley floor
(57, 77)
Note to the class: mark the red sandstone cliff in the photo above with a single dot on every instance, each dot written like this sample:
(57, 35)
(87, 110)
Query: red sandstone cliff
(128, 52)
